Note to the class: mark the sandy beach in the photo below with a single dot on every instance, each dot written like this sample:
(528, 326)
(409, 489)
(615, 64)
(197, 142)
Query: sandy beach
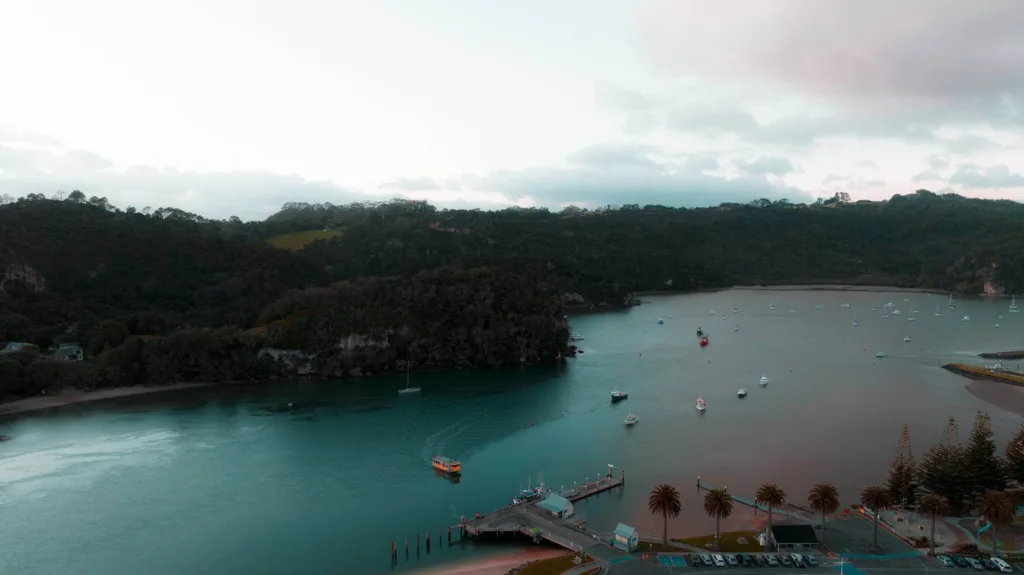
(493, 565)
(69, 396)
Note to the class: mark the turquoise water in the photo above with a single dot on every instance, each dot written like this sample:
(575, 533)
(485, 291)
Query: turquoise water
(233, 480)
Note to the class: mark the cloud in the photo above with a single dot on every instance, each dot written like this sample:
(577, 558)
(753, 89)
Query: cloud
(834, 178)
(950, 50)
(765, 165)
(972, 176)
(861, 184)
(19, 161)
(10, 135)
(937, 162)
(971, 144)
(412, 184)
(927, 176)
(615, 156)
(867, 164)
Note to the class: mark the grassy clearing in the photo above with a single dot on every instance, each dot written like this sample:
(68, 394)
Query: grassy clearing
(729, 542)
(553, 566)
(986, 540)
(298, 240)
(656, 547)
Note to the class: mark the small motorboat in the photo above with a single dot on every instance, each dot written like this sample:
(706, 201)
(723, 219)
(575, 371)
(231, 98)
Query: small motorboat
(712, 312)
(907, 339)
(772, 306)
(792, 310)
(700, 331)
(911, 318)
(885, 316)
(881, 354)
(966, 318)
(575, 337)
(896, 312)
(701, 405)
(742, 393)
(819, 307)
(998, 366)
(846, 305)
(631, 419)
(873, 308)
(736, 327)
(660, 321)
(703, 341)
(997, 325)
(735, 310)
(618, 396)
(937, 312)
(764, 380)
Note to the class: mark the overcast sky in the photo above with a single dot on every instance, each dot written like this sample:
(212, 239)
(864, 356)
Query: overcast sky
(233, 107)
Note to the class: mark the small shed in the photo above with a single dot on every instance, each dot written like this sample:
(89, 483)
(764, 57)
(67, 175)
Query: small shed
(626, 538)
(558, 506)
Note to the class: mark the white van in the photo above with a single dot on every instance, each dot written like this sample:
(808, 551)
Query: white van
(719, 560)
(1002, 565)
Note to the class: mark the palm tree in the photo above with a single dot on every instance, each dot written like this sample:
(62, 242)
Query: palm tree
(771, 496)
(934, 505)
(664, 499)
(997, 508)
(718, 504)
(824, 497)
(877, 499)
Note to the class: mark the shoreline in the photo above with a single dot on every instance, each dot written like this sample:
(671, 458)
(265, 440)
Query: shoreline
(73, 396)
(810, 287)
(500, 565)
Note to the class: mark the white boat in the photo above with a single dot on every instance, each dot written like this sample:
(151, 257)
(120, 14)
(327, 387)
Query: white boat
(855, 323)
(735, 310)
(631, 419)
(742, 393)
(712, 312)
(772, 306)
(408, 390)
(914, 312)
(669, 316)
(906, 299)
(791, 310)
(701, 405)
(998, 366)
(575, 337)
(997, 325)
(950, 304)
(885, 316)
(911, 318)
(819, 306)
(881, 354)
(937, 312)
(619, 395)
(1013, 305)
(764, 380)
(966, 318)
(907, 338)
(873, 308)
(736, 327)
(846, 305)
(1000, 316)
(896, 312)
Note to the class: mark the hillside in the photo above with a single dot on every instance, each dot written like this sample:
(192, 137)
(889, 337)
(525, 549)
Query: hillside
(171, 296)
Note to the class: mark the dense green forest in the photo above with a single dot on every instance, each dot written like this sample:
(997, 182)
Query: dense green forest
(164, 295)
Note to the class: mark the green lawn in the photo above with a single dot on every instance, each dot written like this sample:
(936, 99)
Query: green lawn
(729, 542)
(298, 240)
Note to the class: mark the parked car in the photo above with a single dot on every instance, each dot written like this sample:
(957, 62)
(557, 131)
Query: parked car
(785, 560)
(946, 561)
(759, 561)
(731, 560)
(706, 561)
(987, 564)
(811, 560)
(771, 560)
(958, 561)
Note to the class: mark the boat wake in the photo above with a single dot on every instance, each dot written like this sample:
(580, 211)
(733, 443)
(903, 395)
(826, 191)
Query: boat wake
(436, 443)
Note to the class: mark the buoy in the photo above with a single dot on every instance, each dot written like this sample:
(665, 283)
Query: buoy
(531, 424)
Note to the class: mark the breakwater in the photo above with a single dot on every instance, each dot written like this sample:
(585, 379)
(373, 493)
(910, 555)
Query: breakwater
(1002, 355)
(975, 372)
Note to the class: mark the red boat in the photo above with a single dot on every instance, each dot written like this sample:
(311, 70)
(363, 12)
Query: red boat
(703, 340)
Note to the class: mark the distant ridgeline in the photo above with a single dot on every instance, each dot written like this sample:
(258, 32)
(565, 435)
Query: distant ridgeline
(164, 295)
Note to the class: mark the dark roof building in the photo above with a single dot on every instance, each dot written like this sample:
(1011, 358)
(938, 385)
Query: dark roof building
(794, 536)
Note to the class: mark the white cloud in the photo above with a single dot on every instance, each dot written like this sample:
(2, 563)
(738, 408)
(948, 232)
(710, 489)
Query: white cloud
(601, 101)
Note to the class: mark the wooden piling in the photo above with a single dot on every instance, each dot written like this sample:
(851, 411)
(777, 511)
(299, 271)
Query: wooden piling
(417, 543)
(406, 546)
(394, 549)
(428, 541)
(449, 535)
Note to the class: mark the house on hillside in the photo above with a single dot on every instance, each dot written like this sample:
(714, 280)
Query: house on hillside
(16, 346)
(67, 352)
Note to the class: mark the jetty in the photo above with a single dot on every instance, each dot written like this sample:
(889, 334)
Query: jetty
(551, 517)
(1002, 355)
(975, 372)
(749, 502)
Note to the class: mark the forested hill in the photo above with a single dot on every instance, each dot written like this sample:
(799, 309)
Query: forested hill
(166, 295)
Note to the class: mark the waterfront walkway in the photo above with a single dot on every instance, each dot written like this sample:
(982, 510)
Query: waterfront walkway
(750, 503)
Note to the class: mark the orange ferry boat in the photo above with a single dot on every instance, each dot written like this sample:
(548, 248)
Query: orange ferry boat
(446, 464)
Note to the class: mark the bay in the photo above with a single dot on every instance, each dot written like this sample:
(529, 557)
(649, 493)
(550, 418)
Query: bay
(319, 477)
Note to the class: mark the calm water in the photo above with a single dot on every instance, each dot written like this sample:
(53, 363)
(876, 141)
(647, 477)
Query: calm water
(233, 481)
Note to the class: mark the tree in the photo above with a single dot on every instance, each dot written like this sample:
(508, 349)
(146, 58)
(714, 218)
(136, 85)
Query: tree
(771, 496)
(943, 468)
(76, 197)
(718, 504)
(824, 498)
(876, 498)
(935, 506)
(1014, 457)
(997, 509)
(902, 482)
(983, 467)
(664, 499)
